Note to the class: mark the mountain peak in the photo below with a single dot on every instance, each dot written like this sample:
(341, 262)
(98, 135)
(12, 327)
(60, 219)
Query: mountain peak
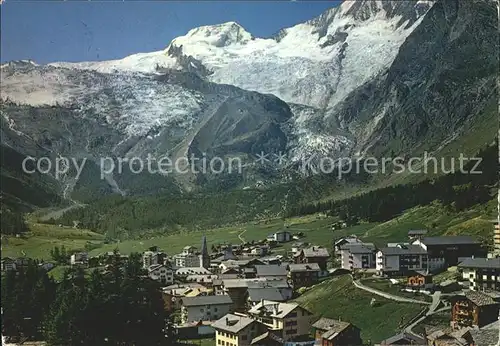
(218, 35)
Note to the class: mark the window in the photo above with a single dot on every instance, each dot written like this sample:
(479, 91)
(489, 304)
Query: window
(292, 314)
(243, 337)
(291, 331)
(215, 309)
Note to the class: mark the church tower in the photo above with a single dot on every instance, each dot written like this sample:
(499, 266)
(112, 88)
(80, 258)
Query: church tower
(204, 257)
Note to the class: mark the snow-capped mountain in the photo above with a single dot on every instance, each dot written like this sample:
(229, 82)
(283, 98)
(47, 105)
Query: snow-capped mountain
(316, 63)
(364, 77)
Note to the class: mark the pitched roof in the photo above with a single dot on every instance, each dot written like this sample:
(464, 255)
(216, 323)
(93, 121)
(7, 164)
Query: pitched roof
(303, 267)
(270, 270)
(450, 240)
(281, 283)
(233, 323)
(417, 232)
(479, 298)
(330, 325)
(268, 293)
(315, 251)
(403, 250)
(485, 337)
(207, 300)
(491, 263)
(414, 339)
(273, 308)
(359, 248)
(269, 336)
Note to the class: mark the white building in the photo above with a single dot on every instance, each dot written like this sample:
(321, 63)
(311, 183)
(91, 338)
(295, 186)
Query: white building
(79, 258)
(205, 308)
(280, 236)
(400, 259)
(187, 258)
(161, 273)
(357, 256)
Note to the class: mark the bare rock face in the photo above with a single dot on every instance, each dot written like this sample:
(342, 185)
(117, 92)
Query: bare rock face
(367, 77)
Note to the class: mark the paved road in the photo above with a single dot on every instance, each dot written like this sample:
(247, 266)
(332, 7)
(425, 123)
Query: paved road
(359, 285)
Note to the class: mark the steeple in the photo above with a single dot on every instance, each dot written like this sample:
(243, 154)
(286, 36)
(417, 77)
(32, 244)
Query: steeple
(204, 256)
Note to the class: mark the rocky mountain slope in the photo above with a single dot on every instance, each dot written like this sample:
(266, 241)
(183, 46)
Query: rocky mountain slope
(366, 77)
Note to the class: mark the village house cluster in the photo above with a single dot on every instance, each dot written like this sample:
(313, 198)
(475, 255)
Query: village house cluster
(244, 294)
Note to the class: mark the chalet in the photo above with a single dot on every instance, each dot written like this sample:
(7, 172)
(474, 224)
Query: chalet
(475, 309)
(446, 251)
(398, 260)
(481, 273)
(357, 256)
(329, 332)
(273, 271)
(313, 254)
(303, 275)
(296, 247)
(236, 330)
(205, 308)
(161, 273)
(288, 319)
(419, 279)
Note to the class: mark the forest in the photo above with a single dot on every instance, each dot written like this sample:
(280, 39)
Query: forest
(119, 306)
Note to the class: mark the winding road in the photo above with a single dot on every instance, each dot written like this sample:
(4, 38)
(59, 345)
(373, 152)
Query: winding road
(433, 307)
(359, 285)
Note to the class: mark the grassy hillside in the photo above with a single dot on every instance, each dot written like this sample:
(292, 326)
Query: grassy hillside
(316, 228)
(41, 238)
(339, 299)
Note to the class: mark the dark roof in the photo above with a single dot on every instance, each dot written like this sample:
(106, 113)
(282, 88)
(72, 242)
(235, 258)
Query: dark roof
(359, 248)
(315, 251)
(417, 232)
(270, 270)
(492, 263)
(268, 293)
(479, 298)
(403, 250)
(304, 267)
(206, 300)
(410, 338)
(450, 240)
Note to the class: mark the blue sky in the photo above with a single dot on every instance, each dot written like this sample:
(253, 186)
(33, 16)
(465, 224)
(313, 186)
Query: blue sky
(47, 31)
